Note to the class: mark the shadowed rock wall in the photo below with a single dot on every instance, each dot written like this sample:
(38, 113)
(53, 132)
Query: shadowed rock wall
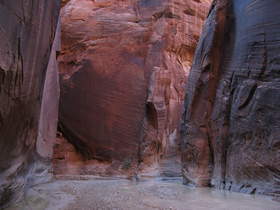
(27, 31)
(123, 71)
(231, 135)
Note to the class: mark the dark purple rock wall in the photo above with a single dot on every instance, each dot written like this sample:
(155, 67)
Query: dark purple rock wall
(27, 31)
(231, 129)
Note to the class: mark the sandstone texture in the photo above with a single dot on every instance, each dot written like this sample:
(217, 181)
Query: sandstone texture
(64, 2)
(123, 70)
(27, 31)
(67, 163)
(231, 135)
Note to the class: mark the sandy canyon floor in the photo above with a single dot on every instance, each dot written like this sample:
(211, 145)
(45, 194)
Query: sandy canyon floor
(116, 194)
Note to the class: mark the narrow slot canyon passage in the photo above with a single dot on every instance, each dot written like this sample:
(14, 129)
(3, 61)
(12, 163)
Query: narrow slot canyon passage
(139, 104)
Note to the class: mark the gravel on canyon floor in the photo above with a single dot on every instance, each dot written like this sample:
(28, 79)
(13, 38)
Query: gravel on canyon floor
(123, 194)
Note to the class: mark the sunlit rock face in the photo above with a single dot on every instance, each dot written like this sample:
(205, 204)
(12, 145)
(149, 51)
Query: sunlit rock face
(231, 127)
(64, 2)
(123, 72)
(27, 31)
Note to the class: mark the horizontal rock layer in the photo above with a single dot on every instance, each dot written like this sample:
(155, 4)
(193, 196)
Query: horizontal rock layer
(232, 120)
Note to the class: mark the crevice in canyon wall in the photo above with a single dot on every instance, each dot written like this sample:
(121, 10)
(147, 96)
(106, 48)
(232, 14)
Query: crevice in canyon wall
(123, 70)
(152, 115)
(27, 31)
(230, 130)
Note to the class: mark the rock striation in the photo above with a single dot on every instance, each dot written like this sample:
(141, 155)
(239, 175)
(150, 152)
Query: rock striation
(123, 70)
(232, 118)
(27, 31)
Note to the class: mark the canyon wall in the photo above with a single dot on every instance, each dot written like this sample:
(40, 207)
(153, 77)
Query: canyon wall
(123, 70)
(232, 119)
(27, 31)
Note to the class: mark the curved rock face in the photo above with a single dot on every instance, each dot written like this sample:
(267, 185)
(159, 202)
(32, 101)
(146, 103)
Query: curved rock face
(123, 70)
(27, 30)
(231, 127)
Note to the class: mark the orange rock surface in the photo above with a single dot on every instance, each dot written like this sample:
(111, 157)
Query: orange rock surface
(123, 71)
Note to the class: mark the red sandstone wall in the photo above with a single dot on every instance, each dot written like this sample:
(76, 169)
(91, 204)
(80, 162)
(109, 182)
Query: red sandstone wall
(27, 31)
(123, 71)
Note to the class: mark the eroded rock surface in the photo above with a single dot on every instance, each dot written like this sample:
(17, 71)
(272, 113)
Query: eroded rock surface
(231, 128)
(27, 31)
(123, 71)
(69, 164)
